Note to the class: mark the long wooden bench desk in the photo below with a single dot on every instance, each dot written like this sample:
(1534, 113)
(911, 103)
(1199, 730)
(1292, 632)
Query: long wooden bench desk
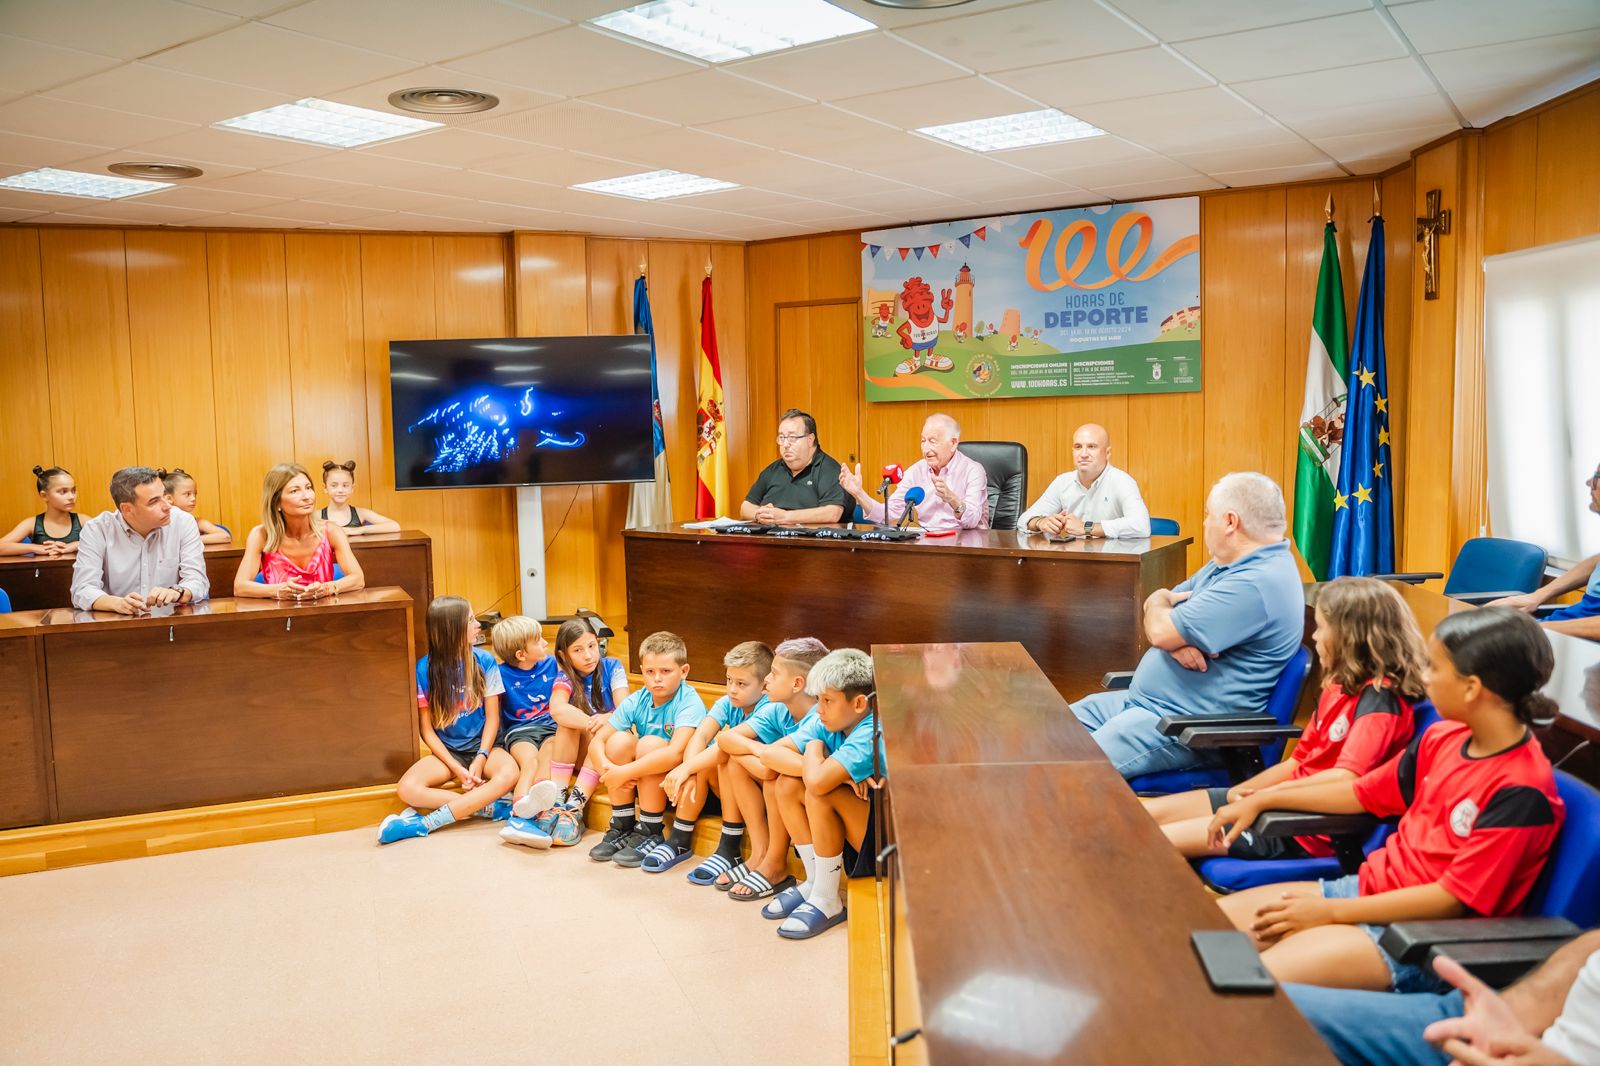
(1075, 606)
(403, 559)
(103, 715)
(1047, 918)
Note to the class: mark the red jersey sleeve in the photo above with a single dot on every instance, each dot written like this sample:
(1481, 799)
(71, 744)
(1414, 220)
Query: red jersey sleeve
(1506, 848)
(1381, 728)
(1388, 790)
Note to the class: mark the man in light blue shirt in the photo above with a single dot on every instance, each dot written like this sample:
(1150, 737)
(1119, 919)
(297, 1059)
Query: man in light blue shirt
(1218, 641)
(144, 554)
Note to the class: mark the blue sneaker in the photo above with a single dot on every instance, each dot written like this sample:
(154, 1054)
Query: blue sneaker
(400, 826)
(498, 811)
(523, 831)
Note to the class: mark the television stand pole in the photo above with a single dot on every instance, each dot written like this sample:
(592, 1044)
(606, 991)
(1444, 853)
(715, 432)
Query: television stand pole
(530, 549)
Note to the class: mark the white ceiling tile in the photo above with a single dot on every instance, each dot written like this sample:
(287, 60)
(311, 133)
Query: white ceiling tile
(1490, 105)
(450, 147)
(894, 18)
(572, 124)
(29, 152)
(802, 129)
(745, 199)
(1142, 190)
(495, 188)
(879, 200)
(375, 94)
(212, 201)
(806, 211)
(574, 61)
(697, 98)
(939, 104)
(675, 148)
(1385, 143)
(267, 57)
(1123, 76)
(374, 198)
(1277, 175)
(308, 211)
(1196, 119)
(1316, 122)
(113, 27)
(512, 215)
(852, 66)
(957, 165)
(246, 8)
(1383, 80)
(1179, 20)
(1027, 35)
(66, 218)
(18, 200)
(552, 166)
(1359, 37)
(40, 116)
(1516, 67)
(773, 230)
(8, 214)
(207, 144)
(28, 66)
(1017, 204)
(1261, 157)
(1441, 25)
(143, 211)
(419, 29)
(572, 10)
(149, 90)
(1083, 152)
(273, 183)
(363, 167)
(239, 222)
(1376, 164)
(1027, 185)
(1150, 168)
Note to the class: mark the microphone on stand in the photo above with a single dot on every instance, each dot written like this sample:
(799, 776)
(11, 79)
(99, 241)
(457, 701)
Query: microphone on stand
(914, 495)
(891, 477)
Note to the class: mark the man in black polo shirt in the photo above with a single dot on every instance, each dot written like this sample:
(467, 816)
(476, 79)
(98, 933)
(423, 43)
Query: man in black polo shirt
(802, 485)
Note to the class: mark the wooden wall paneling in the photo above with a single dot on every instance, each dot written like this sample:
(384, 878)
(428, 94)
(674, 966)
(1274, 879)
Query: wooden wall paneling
(1567, 183)
(175, 417)
(26, 434)
(613, 264)
(728, 293)
(777, 272)
(1397, 336)
(328, 360)
(92, 394)
(676, 270)
(819, 371)
(1510, 171)
(834, 267)
(1469, 507)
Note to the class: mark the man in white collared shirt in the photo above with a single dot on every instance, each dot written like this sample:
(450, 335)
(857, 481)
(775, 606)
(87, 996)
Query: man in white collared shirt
(144, 554)
(1095, 499)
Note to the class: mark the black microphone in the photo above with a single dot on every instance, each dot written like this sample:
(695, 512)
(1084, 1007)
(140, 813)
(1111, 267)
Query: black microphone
(914, 495)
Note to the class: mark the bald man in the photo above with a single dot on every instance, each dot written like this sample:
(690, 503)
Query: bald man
(1093, 500)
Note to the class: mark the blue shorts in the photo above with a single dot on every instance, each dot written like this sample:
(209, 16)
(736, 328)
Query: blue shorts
(464, 755)
(535, 733)
(1403, 977)
(925, 346)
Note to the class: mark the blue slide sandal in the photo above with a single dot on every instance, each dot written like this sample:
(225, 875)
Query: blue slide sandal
(815, 922)
(783, 904)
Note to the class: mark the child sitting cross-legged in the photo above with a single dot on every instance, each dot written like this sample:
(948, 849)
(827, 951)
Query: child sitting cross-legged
(529, 673)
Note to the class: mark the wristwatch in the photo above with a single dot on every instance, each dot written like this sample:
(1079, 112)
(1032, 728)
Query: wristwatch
(1088, 529)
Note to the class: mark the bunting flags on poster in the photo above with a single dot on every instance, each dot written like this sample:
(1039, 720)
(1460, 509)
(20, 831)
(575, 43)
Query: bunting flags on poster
(872, 250)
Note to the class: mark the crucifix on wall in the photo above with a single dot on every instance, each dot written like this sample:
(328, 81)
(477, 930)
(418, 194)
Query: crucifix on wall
(1429, 228)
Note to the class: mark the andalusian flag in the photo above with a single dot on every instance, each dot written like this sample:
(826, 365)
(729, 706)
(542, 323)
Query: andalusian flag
(711, 454)
(1322, 415)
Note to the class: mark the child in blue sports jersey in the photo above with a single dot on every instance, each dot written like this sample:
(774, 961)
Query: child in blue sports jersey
(756, 766)
(643, 740)
(458, 707)
(582, 698)
(528, 671)
(842, 773)
(701, 770)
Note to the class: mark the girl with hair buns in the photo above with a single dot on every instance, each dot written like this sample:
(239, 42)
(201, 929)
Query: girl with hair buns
(185, 496)
(293, 550)
(340, 481)
(1478, 814)
(54, 531)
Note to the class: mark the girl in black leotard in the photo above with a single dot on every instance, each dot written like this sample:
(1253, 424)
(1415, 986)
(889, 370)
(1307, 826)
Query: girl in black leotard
(340, 481)
(185, 496)
(53, 531)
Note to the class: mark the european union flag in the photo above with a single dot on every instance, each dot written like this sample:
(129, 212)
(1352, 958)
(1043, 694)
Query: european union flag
(1363, 515)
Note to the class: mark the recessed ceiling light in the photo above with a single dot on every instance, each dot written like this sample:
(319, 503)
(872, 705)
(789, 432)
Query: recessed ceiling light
(156, 171)
(1014, 131)
(325, 122)
(656, 185)
(720, 30)
(77, 183)
(443, 101)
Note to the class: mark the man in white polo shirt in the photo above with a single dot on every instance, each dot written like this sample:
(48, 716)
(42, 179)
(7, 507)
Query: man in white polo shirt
(1094, 499)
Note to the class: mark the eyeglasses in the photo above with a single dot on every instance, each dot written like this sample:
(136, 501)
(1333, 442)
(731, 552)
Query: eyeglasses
(790, 438)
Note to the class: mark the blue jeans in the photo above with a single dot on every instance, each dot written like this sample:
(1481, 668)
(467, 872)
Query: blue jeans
(1376, 1028)
(1129, 737)
(1403, 977)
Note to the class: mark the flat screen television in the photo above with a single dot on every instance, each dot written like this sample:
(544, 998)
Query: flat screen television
(520, 411)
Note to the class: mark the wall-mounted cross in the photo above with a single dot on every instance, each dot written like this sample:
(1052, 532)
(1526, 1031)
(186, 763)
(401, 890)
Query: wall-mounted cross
(1429, 228)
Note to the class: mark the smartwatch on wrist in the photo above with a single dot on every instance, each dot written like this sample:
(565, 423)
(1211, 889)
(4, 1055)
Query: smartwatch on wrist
(1088, 529)
(483, 752)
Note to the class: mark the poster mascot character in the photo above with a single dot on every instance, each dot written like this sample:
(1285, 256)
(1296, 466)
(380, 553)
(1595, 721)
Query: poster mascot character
(920, 331)
(880, 326)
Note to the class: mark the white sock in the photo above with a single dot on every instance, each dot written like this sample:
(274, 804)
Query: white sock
(808, 859)
(824, 893)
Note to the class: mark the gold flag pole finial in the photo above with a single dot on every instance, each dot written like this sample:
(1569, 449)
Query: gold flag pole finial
(1377, 200)
(641, 268)
(708, 268)
(1329, 207)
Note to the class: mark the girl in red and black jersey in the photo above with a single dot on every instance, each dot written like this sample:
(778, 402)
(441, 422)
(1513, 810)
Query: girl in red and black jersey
(1373, 658)
(1478, 806)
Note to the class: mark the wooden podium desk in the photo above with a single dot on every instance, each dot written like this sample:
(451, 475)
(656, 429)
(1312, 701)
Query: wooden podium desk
(225, 701)
(1046, 917)
(1075, 606)
(403, 559)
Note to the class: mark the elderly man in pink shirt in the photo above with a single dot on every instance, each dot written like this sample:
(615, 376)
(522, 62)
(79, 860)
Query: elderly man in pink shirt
(956, 487)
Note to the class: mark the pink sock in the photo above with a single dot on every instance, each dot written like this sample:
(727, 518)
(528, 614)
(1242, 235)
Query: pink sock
(588, 777)
(561, 773)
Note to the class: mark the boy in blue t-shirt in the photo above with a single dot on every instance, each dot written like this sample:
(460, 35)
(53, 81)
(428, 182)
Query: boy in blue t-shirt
(645, 738)
(701, 770)
(528, 670)
(841, 773)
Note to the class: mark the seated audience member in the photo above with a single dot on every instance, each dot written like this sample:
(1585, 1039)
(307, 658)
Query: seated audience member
(645, 738)
(1093, 500)
(842, 775)
(956, 488)
(292, 549)
(1218, 641)
(528, 671)
(802, 484)
(582, 698)
(185, 496)
(144, 554)
(755, 764)
(1581, 619)
(54, 531)
(1549, 1018)
(340, 481)
(1478, 813)
(1373, 658)
(458, 710)
(701, 771)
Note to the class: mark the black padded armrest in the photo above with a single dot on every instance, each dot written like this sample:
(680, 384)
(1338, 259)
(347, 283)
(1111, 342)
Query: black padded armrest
(1478, 599)
(1410, 942)
(1305, 823)
(1170, 725)
(1497, 963)
(1410, 579)
(1117, 679)
(1208, 736)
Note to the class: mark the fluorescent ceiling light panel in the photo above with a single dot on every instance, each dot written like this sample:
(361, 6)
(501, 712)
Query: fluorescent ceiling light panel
(720, 30)
(325, 122)
(656, 185)
(1021, 130)
(77, 183)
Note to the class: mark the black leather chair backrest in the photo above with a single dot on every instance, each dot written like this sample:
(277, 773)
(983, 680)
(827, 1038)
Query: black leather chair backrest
(1006, 463)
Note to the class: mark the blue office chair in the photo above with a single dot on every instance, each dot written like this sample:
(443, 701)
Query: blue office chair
(1163, 527)
(5, 602)
(1227, 875)
(1247, 743)
(338, 572)
(1487, 568)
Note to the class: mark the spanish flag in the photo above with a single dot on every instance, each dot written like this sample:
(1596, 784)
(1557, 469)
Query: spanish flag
(711, 451)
